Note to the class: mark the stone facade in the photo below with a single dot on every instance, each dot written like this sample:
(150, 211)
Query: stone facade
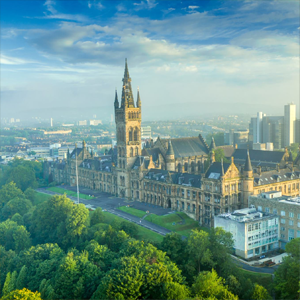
(178, 173)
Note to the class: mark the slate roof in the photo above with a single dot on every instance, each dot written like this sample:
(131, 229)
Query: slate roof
(73, 154)
(153, 151)
(185, 179)
(215, 170)
(141, 161)
(98, 165)
(275, 176)
(190, 146)
(274, 157)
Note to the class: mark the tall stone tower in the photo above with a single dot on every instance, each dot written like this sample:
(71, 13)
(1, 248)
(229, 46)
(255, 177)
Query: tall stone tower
(247, 180)
(128, 117)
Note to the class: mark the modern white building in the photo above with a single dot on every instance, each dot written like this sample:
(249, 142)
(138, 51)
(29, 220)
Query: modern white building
(51, 122)
(287, 209)
(95, 122)
(289, 124)
(82, 123)
(146, 132)
(254, 232)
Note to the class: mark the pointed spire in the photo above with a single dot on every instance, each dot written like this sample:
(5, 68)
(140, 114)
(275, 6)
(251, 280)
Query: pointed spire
(83, 144)
(170, 150)
(116, 100)
(126, 72)
(68, 153)
(138, 101)
(222, 167)
(212, 144)
(248, 166)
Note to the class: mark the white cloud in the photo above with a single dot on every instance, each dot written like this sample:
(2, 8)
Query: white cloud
(148, 4)
(9, 60)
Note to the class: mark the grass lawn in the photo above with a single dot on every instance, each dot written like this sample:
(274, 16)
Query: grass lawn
(168, 220)
(40, 197)
(260, 278)
(70, 193)
(132, 211)
(144, 233)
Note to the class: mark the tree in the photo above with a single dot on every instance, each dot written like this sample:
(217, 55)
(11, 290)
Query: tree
(9, 191)
(220, 245)
(208, 285)
(22, 176)
(130, 228)
(49, 220)
(260, 293)
(122, 282)
(198, 249)
(293, 248)
(175, 247)
(23, 294)
(219, 155)
(14, 237)
(14, 206)
(21, 280)
(97, 216)
(76, 222)
(10, 283)
(218, 137)
(18, 219)
(30, 194)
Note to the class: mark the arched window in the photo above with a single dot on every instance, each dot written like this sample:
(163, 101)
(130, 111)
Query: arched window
(130, 134)
(123, 164)
(192, 167)
(199, 166)
(179, 168)
(136, 134)
(186, 167)
(131, 152)
(136, 151)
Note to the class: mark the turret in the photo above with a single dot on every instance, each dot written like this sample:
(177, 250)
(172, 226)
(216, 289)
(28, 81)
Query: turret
(248, 171)
(138, 101)
(222, 168)
(247, 181)
(170, 157)
(116, 100)
(212, 156)
(212, 144)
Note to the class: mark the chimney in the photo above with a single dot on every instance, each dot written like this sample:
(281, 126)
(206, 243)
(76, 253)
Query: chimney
(259, 170)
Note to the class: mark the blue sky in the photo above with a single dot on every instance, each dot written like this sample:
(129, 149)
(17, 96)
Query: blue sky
(61, 54)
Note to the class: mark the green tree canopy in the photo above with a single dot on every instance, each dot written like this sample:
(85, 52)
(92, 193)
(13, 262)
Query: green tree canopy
(23, 294)
(208, 285)
(15, 206)
(260, 293)
(9, 191)
(14, 237)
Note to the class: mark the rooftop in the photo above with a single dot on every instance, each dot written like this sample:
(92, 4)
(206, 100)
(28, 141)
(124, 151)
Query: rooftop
(246, 215)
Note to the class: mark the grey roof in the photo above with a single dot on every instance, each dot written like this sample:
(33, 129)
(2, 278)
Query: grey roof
(98, 165)
(141, 161)
(248, 166)
(184, 179)
(215, 170)
(190, 146)
(275, 176)
(274, 157)
(170, 149)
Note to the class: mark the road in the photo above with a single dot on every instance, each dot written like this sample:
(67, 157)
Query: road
(110, 203)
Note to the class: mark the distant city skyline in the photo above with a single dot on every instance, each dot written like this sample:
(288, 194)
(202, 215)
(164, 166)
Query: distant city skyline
(188, 58)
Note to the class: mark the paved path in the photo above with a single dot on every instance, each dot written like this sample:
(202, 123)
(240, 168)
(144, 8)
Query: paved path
(110, 203)
(243, 265)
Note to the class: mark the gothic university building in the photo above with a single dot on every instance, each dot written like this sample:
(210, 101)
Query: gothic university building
(180, 174)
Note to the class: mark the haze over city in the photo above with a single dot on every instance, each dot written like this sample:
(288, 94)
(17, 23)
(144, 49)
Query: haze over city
(188, 58)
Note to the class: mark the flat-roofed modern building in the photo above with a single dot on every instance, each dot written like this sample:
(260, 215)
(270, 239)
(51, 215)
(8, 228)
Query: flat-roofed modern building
(254, 232)
(286, 207)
